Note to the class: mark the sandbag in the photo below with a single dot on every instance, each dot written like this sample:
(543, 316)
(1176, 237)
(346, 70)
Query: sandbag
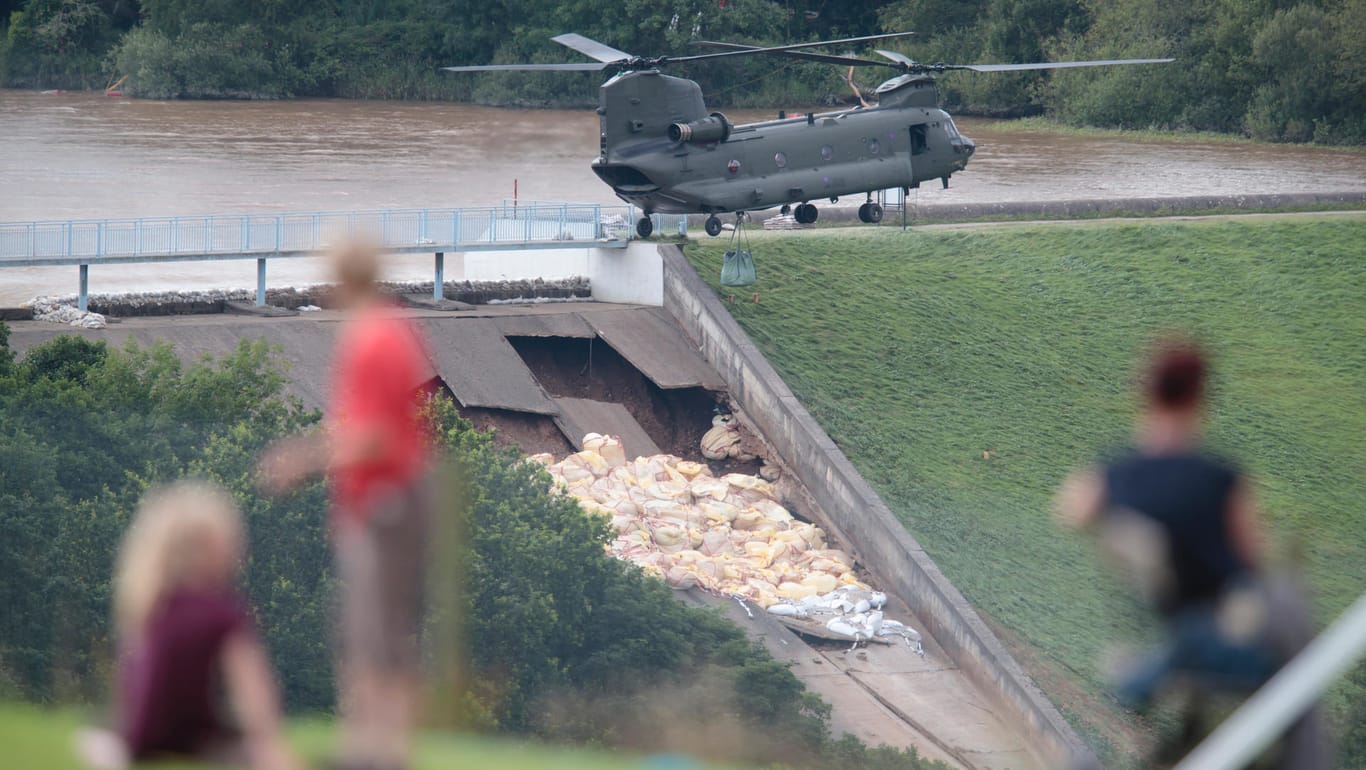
(737, 268)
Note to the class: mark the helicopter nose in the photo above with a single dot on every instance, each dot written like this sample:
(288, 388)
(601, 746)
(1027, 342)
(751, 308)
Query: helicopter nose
(969, 147)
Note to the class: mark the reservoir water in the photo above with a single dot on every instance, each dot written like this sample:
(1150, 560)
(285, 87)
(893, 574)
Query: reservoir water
(82, 155)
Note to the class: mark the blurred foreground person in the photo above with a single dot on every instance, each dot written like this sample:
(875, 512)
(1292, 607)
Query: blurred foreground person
(1184, 524)
(375, 450)
(183, 629)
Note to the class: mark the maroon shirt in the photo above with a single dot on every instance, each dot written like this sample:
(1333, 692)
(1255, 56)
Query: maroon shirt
(169, 682)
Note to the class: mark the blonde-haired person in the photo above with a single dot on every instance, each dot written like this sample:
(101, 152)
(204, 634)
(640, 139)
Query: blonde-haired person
(183, 629)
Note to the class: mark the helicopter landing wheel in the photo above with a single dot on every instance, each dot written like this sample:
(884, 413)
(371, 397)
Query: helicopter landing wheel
(870, 213)
(645, 226)
(785, 210)
(805, 214)
(712, 226)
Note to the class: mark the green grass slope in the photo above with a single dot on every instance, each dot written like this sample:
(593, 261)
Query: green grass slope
(966, 371)
(36, 739)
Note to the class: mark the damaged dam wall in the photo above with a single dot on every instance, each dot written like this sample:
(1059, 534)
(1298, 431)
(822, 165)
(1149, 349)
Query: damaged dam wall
(874, 534)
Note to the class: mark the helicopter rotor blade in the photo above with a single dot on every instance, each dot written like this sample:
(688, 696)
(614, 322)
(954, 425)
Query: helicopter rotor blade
(896, 57)
(591, 48)
(749, 50)
(1055, 65)
(852, 61)
(578, 67)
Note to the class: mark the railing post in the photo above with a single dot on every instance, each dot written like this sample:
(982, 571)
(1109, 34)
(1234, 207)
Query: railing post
(83, 297)
(261, 282)
(438, 291)
(564, 220)
(455, 228)
(279, 231)
(68, 239)
(99, 239)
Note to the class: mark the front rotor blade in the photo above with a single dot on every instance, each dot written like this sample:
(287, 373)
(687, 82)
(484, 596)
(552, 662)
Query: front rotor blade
(851, 61)
(780, 48)
(1054, 65)
(584, 67)
(590, 47)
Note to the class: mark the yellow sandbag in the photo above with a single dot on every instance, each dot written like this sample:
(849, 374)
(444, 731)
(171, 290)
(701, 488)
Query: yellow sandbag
(747, 520)
(669, 536)
(543, 458)
(773, 511)
(717, 442)
(760, 554)
(680, 579)
(718, 512)
(592, 441)
(691, 470)
(716, 542)
(752, 484)
(594, 463)
(820, 582)
(613, 452)
(796, 591)
(708, 487)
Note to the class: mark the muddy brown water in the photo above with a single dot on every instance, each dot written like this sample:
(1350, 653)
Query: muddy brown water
(88, 156)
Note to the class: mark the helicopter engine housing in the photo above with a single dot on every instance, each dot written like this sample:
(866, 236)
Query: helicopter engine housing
(713, 128)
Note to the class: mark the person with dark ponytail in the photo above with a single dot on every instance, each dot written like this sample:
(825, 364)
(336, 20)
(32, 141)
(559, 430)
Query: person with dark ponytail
(1182, 522)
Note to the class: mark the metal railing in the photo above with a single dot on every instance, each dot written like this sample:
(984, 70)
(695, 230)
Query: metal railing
(261, 236)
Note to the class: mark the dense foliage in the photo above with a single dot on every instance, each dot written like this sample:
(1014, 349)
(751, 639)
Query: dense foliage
(556, 638)
(1289, 70)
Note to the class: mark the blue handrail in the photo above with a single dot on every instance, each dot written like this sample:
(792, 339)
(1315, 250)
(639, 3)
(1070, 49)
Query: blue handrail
(85, 242)
(90, 241)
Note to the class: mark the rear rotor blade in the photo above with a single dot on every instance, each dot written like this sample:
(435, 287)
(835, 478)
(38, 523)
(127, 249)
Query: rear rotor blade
(591, 48)
(1054, 65)
(584, 67)
(746, 51)
(851, 61)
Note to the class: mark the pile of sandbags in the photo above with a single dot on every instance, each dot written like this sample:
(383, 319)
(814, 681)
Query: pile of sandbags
(728, 535)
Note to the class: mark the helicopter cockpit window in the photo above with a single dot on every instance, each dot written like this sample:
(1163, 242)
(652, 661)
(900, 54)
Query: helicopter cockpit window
(780, 160)
(953, 129)
(827, 152)
(873, 147)
(919, 140)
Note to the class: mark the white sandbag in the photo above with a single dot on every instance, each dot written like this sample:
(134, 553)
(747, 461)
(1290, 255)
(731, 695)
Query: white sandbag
(708, 487)
(613, 452)
(787, 610)
(839, 626)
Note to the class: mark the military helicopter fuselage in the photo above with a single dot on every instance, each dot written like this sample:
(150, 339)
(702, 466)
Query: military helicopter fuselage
(662, 151)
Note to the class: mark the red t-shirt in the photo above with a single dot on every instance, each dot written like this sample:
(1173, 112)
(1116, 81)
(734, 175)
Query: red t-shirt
(380, 368)
(169, 683)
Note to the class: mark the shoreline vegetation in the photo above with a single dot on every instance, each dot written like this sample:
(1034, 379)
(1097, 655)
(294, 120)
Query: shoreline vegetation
(1287, 72)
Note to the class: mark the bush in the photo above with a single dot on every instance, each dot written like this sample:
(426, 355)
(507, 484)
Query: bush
(562, 641)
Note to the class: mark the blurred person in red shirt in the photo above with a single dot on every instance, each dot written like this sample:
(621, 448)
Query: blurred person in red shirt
(376, 452)
(186, 638)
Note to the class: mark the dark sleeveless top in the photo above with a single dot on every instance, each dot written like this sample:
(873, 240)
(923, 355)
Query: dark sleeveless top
(1187, 495)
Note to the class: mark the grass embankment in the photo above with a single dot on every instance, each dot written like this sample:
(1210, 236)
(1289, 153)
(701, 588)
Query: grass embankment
(965, 372)
(41, 740)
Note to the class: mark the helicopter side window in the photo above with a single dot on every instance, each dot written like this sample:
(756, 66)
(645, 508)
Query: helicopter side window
(780, 160)
(827, 152)
(874, 147)
(919, 140)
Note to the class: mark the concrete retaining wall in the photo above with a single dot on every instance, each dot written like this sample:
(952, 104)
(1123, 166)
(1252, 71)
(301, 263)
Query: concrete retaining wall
(875, 535)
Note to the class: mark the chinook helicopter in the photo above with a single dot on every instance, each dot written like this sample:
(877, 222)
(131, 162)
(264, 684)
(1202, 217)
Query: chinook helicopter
(661, 151)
